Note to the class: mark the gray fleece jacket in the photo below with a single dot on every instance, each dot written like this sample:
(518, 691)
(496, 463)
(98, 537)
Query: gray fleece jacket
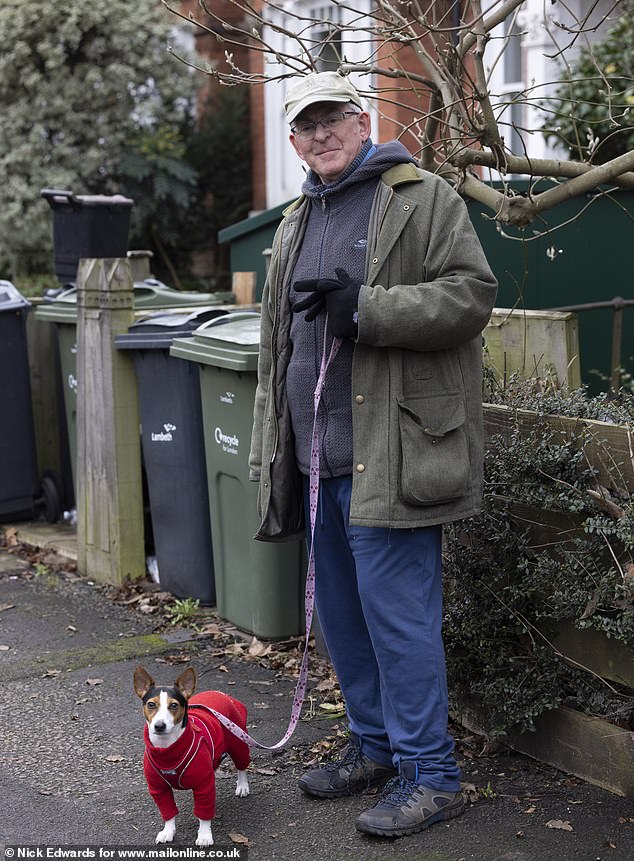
(336, 236)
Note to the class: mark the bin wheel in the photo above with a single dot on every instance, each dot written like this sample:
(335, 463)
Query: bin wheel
(50, 502)
(54, 475)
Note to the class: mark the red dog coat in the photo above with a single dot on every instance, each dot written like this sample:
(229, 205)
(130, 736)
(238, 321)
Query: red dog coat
(191, 761)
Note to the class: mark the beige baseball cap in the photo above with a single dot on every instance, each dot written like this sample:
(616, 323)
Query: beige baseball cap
(319, 87)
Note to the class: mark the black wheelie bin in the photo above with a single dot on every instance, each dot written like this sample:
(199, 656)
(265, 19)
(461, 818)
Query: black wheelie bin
(174, 451)
(22, 496)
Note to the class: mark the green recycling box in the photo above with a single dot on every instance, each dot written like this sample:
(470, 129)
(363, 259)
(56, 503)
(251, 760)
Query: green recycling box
(259, 585)
(149, 295)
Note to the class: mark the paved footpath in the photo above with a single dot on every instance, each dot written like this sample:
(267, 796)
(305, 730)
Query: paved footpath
(71, 748)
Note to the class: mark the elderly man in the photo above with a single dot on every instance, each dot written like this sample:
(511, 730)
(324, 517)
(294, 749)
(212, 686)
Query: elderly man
(379, 290)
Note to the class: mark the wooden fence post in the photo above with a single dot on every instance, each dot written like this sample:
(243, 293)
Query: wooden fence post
(243, 287)
(110, 545)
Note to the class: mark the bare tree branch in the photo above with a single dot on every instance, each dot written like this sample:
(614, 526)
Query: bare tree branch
(593, 178)
(420, 53)
(536, 167)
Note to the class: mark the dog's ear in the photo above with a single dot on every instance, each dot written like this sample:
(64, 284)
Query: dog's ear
(143, 681)
(186, 682)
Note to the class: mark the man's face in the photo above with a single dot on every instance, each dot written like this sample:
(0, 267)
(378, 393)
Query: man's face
(330, 151)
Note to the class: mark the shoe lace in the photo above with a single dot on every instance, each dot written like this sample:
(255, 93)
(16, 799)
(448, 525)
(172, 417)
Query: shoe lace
(397, 791)
(350, 758)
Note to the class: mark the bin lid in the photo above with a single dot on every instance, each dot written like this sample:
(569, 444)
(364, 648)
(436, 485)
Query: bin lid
(58, 198)
(157, 331)
(150, 293)
(233, 342)
(59, 308)
(11, 298)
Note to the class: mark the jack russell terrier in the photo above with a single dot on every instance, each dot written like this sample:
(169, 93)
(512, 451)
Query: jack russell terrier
(184, 743)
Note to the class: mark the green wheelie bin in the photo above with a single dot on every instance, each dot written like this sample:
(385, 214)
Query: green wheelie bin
(259, 585)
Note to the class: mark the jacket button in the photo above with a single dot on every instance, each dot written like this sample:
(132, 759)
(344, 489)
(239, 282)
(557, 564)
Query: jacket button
(406, 207)
(360, 467)
(375, 259)
(359, 399)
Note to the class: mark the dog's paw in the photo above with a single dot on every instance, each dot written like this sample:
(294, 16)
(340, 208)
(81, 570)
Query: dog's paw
(205, 837)
(242, 788)
(165, 836)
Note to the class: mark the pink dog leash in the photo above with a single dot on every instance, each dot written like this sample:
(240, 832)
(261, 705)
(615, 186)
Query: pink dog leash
(309, 595)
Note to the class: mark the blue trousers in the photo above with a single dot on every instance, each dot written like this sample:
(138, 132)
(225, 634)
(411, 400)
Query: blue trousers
(379, 603)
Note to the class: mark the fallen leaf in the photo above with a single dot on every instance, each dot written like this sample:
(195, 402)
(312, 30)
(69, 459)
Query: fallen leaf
(268, 772)
(562, 825)
(471, 791)
(94, 682)
(115, 757)
(212, 628)
(261, 706)
(11, 536)
(258, 649)
(175, 659)
(50, 674)
(5, 648)
(71, 628)
(331, 707)
(591, 606)
(146, 608)
(530, 810)
(6, 607)
(610, 844)
(520, 834)
(235, 649)
(238, 838)
(222, 669)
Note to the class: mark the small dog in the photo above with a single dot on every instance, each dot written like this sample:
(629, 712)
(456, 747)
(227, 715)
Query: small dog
(184, 743)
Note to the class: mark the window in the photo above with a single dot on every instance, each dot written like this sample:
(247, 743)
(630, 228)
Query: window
(511, 118)
(326, 42)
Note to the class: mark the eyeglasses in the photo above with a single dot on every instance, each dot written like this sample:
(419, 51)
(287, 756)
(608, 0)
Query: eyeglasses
(307, 131)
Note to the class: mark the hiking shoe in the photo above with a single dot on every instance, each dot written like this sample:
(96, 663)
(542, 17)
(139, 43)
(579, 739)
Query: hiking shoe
(353, 773)
(406, 807)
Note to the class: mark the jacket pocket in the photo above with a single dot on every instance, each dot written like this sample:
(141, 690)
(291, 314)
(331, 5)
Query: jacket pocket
(434, 458)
